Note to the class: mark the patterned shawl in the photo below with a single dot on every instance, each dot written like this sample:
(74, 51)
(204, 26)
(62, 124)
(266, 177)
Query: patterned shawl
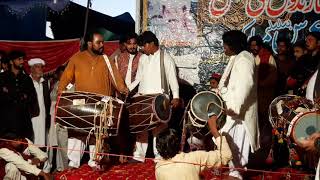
(123, 62)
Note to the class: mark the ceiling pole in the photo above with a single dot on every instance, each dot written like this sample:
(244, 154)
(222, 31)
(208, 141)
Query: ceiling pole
(82, 43)
(86, 18)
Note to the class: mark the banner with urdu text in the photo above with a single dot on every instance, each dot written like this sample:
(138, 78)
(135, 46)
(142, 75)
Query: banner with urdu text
(191, 30)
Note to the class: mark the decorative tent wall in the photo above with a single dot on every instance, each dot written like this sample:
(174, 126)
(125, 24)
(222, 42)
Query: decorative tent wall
(54, 53)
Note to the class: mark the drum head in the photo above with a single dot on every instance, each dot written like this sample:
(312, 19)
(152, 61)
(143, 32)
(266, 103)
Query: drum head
(162, 107)
(205, 103)
(306, 125)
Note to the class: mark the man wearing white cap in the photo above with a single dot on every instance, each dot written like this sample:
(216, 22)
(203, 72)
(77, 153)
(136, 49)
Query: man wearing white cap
(41, 122)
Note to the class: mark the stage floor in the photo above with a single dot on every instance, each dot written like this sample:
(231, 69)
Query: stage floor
(144, 171)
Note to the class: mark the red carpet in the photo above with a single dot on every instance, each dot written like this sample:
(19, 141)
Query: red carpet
(144, 171)
(138, 171)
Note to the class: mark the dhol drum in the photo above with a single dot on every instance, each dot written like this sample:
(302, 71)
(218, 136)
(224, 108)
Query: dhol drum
(146, 112)
(202, 106)
(294, 116)
(304, 125)
(83, 112)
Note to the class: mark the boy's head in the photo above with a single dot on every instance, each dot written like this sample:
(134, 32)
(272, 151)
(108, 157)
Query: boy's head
(168, 143)
(313, 41)
(214, 80)
(148, 42)
(13, 139)
(299, 49)
(283, 45)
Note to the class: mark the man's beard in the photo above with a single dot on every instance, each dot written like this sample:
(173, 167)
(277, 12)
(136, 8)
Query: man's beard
(98, 52)
(18, 67)
(132, 51)
(255, 52)
(38, 75)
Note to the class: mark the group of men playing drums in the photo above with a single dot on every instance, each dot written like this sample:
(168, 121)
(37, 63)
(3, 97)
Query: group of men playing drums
(89, 71)
(151, 71)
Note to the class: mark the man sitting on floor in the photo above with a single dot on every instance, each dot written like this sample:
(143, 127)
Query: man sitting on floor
(187, 165)
(19, 158)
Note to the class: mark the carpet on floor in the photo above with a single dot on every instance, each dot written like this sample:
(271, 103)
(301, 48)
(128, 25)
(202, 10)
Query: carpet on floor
(145, 171)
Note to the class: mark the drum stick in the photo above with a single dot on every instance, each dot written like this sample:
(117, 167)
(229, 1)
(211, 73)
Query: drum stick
(185, 112)
(212, 102)
(165, 104)
(184, 128)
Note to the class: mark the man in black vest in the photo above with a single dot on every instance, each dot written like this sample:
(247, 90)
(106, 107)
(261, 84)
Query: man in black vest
(18, 98)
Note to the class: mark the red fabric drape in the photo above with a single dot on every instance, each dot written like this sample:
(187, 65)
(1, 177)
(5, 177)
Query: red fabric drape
(54, 53)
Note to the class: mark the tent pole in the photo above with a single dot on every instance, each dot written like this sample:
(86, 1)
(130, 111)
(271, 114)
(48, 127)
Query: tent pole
(82, 43)
(86, 18)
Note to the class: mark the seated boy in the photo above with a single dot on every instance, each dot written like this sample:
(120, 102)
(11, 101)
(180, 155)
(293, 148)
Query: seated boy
(20, 158)
(214, 82)
(180, 165)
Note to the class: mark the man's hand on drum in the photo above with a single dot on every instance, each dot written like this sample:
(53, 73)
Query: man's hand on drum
(45, 176)
(212, 122)
(309, 144)
(35, 161)
(175, 102)
(125, 91)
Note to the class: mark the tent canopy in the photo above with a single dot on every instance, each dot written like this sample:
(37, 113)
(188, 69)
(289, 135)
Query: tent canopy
(70, 23)
(27, 21)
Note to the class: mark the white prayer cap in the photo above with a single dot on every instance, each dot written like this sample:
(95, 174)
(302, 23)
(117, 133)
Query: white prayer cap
(34, 61)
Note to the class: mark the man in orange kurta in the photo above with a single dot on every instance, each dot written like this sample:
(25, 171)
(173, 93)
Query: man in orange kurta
(90, 73)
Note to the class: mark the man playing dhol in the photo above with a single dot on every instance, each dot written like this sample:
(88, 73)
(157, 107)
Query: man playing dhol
(90, 72)
(149, 79)
(238, 88)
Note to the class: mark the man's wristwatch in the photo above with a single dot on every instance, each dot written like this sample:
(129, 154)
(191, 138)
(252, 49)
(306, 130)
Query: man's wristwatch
(317, 144)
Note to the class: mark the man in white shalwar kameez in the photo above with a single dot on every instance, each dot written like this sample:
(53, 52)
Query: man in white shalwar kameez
(149, 79)
(39, 122)
(238, 88)
(21, 157)
(313, 94)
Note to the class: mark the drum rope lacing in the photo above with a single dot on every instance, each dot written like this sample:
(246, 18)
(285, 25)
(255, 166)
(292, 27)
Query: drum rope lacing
(101, 130)
(193, 121)
(273, 103)
(74, 127)
(79, 117)
(139, 113)
(86, 129)
(141, 103)
(142, 124)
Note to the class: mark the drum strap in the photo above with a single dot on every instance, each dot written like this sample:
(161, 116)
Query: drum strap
(224, 81)
(106, 59)
(316, 90)
(164, 82)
